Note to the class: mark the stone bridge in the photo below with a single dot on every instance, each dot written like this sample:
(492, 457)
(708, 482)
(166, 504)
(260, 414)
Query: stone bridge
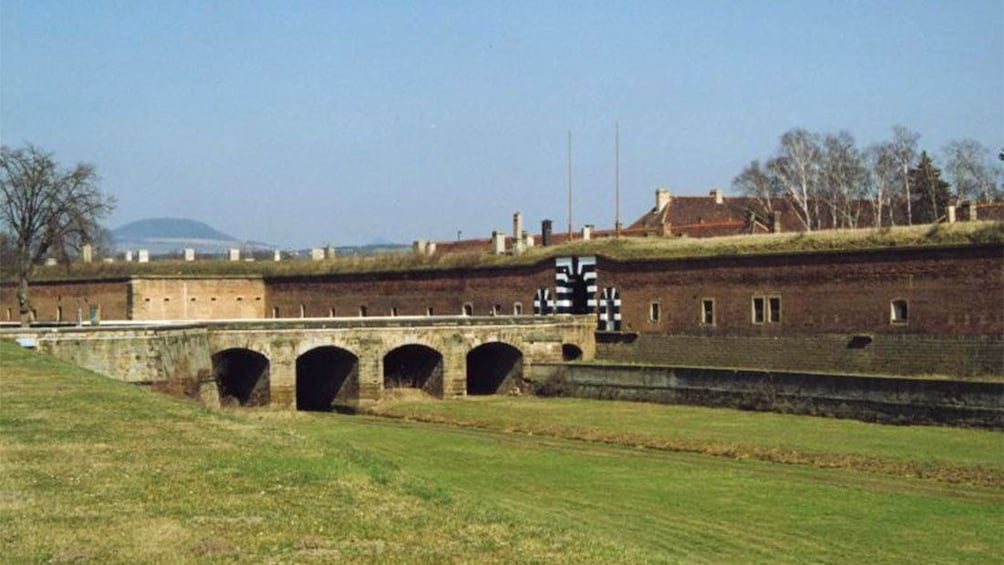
(320, 364)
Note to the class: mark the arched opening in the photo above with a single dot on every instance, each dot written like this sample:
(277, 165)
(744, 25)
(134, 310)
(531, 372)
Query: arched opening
(326, 378)
(414, 366)
(571, 352)
(494, 368)
(241, 376)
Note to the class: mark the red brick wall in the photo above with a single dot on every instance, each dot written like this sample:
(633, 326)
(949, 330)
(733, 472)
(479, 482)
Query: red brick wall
(410, 293)
(949, 291)
(47, 297)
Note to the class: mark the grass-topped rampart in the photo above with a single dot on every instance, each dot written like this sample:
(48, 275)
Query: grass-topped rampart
(651, 248)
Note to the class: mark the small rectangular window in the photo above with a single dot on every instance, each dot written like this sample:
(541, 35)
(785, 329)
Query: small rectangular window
(429, 311)
(362, 311)
(775, 309)
(496, 310)
(275, 311)
(517, 309)
(758, 309)
(653, 312)
(468, 309)
(708, 311)
(899, 312)
(393, 311)
(331, 312)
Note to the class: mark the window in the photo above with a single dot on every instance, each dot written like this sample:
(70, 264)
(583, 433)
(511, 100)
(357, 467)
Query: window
(192, 299)
(429, 311)
(59, 313)
(708, 311)
(653, 312)
(303, 310)
(899, 312)
(496, 310)
(331, 312)
(758, 310)
(517, 308)
(362, 311)
(775, 309)
(240, 299)
(468, 309)
(393, 311)
(275, 311)
(766, 309)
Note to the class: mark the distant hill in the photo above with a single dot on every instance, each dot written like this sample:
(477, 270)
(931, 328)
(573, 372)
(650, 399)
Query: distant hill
(169, 235)
(174, 228)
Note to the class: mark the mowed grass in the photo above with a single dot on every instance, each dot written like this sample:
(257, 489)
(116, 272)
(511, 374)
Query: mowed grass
(956, 455)
(94, 470)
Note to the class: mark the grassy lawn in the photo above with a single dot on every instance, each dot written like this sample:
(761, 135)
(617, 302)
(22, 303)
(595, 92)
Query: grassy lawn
(946, 454)
(94, 470)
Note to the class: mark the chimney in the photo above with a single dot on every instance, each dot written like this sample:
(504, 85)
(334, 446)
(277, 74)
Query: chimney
(517, 225)
(970, 210)
(662, 199)
(498, 242)
(717, 194)
(545, 233)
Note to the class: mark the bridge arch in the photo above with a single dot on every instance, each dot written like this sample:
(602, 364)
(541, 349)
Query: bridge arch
(414, 366)
(242, 376)
(326, 377)
(570, 352)
(494, 368)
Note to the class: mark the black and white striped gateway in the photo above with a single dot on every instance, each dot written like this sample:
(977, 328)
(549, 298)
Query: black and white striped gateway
(610, 310)
(543, 302)
(575, 282)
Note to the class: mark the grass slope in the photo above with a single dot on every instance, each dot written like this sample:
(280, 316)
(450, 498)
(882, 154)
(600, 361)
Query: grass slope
(634, 248)
(94, 470)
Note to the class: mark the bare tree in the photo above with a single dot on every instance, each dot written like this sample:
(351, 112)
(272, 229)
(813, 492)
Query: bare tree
(46, 208)
(796, 169)
(884, 172)
(757, 183)
(904, 145)
(971, 169)
(843, 179)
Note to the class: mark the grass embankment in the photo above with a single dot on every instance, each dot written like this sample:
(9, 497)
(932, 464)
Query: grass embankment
(95, 470)
(622, 249)
(944, 454)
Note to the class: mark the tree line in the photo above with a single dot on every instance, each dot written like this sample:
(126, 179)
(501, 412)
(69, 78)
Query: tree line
(827, 181)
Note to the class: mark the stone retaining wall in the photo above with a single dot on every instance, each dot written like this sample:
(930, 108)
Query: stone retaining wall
(880, 399)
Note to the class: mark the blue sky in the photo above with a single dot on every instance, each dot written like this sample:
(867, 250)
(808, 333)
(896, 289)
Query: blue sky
(304, 123)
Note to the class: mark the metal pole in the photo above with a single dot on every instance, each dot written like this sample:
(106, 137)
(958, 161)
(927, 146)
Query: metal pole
(617, 179)
(569, 185)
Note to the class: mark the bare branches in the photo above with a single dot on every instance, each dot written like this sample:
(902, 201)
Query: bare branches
(755, 182)
(971, 168)
(46, 208)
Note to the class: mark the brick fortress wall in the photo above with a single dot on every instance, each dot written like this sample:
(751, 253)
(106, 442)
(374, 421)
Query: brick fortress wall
(411, 293)
(55, 300)
(947, 291)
